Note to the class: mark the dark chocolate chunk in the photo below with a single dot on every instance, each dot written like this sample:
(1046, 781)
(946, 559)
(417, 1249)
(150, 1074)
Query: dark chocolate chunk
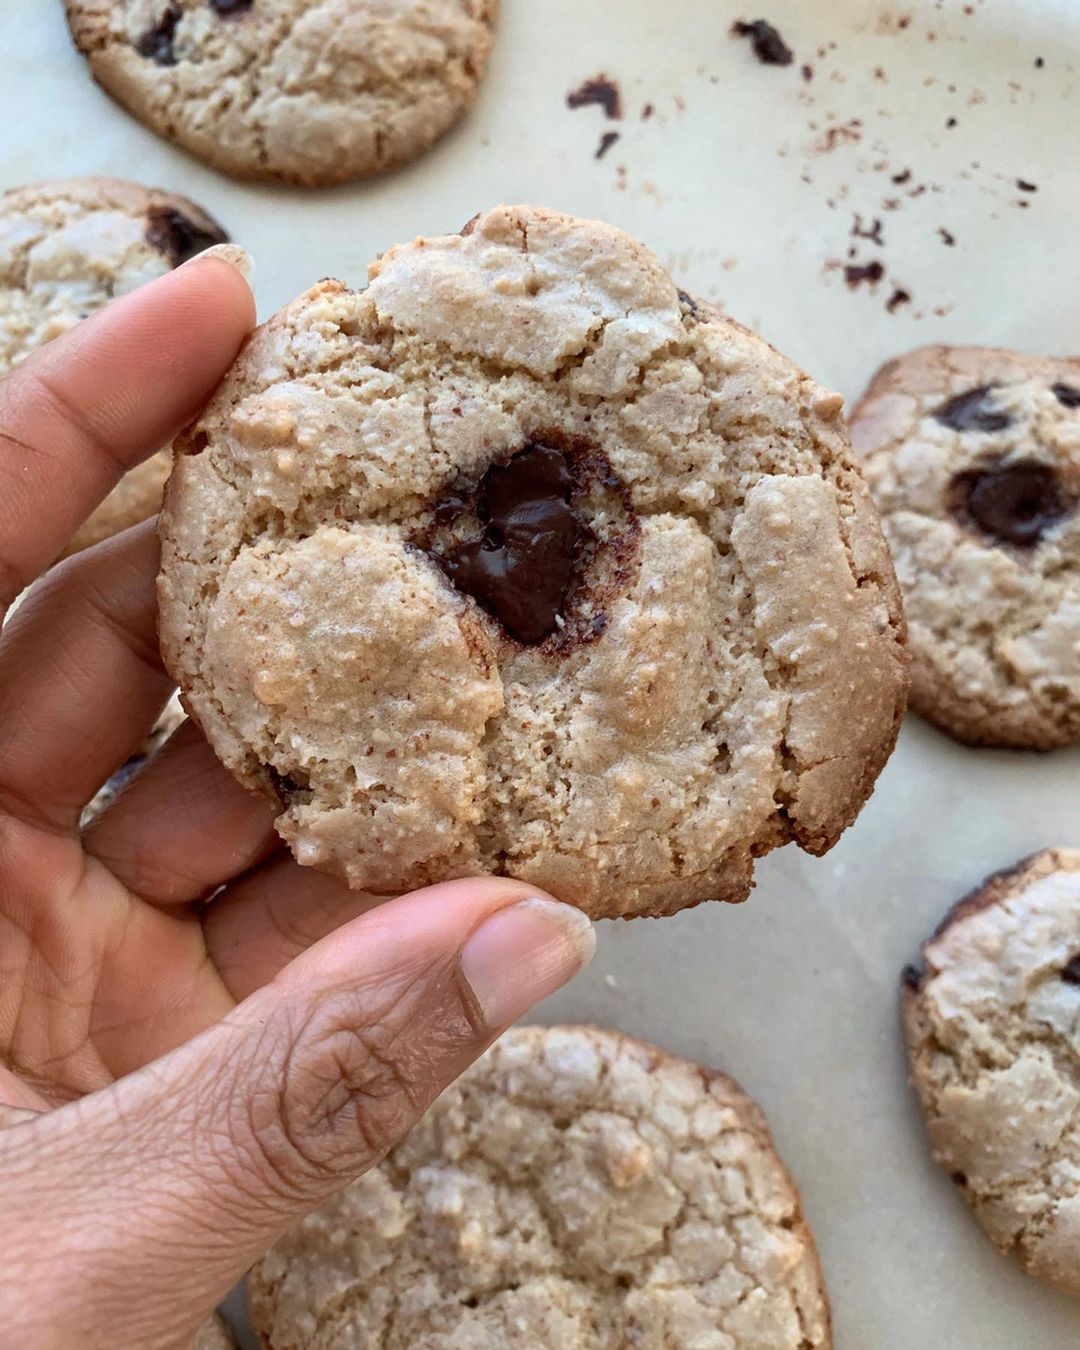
(1025, 186)
(911, 977)
(177, 235)
(157, 43)
(1066, 394)
(601, 91)
(227, 8)
(287, 789)
(769, 47)
(1013, 503)
(958, 1178)
(972, 410)
(1071, 973)
(520, 567)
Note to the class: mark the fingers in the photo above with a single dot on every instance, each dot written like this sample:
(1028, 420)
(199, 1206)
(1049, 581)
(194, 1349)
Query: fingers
(81, 681)
(183, 826)
(95, 402)
(176, 1179)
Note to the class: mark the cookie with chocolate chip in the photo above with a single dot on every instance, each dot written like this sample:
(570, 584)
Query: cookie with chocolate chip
(973, 457)
(299, 91)
(518, 561)
(575, 1189)
(67, 248)
(993, 1027)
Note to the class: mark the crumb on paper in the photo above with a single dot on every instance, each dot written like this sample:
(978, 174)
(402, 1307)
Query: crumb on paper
(769, 47)
(855, 274)
(807, 73)
(898, 298)
(647, 111)
(1025, 186)
(947, 236)
(903, 177)
(607, 140)
(951, 123)
(873, 231)
(844, 133)
(600, 91)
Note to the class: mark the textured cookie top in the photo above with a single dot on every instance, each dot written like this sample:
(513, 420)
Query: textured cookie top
(69, 246)
(366, 603)
(306, 91)
(973, 457)
(575, 1189)
(993, 1027)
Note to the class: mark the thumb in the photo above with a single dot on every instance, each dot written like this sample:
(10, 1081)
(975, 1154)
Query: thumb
(129, 1213)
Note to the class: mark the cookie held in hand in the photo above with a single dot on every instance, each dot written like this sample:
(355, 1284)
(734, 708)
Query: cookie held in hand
(521, 561)
(993, 1026)
(575, 1189)
(973, 457)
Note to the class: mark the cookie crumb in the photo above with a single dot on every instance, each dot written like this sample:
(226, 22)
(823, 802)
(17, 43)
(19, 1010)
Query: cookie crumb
(807, 73)
(898, 298)
(599, 91)
(873, 232)
(855, 274)
(947, 236)
(769, 47)
(647, 112)
(1025, 186)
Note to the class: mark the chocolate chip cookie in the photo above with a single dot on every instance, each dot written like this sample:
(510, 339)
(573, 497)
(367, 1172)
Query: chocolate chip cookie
(302, 91)
(518, 560)
(576, 1189)
(973, 457)
(993, 1030)
(67, 248)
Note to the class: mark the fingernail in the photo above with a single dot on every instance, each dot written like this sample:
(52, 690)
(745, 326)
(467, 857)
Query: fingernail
(239, 259)
(522, 954)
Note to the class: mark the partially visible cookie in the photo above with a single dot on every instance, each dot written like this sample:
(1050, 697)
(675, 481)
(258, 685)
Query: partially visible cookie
(973, 457)
(993, 1031)
(519, 560)
(67, 248)
(575, 1189)
(214, 1335)
(303, 91)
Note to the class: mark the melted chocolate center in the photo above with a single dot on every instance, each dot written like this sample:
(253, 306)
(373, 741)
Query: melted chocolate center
(1013, 503)
(973, 410)
(520, 566)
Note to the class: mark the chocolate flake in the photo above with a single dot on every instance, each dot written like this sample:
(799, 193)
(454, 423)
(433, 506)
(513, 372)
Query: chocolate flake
(520, 566)
(607, 140)
(855, 274)
(1071, 973)
(1025, 186)
(157, 43)
(903, 177)
(1012, 503)
(1066, 394)
(769, 47)
(973, 410)
(602, 92)
(177, 236)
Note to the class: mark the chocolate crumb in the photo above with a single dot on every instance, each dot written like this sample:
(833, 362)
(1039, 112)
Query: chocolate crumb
(807, 73)
(958, 1178)
(903, 177)
(602, 92)
(1039, 63)
(647, 112)
(911, 977)
(1071, 973)
(607, 140)
(1066, 394)
(951, 123)
(769, 47)
(1025, 186)
(229, 8)
(899, 297)
(855, 275)
(873, 233)
(947, 236)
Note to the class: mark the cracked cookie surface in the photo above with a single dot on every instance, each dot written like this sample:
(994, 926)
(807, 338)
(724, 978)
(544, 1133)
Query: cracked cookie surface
(67, 248)
(576, 1188)
(973, 457)
(993, 1032)
(363, 604)
(302, 91)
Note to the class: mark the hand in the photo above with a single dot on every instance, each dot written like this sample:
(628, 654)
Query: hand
(211, 1039)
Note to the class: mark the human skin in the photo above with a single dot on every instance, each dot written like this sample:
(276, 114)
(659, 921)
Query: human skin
(182, 1078)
